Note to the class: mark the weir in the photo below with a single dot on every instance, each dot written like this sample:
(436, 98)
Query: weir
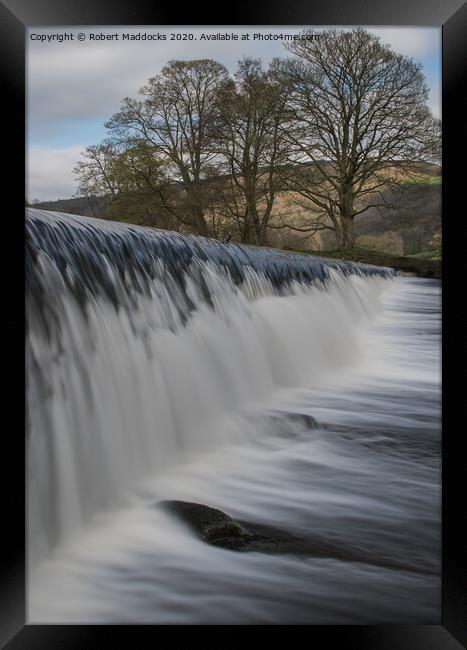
(146, 346)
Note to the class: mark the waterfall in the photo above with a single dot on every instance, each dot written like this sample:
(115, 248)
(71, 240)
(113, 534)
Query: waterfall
(146, 347)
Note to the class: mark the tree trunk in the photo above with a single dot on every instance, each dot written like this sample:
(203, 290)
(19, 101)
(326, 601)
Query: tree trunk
(192, 191)
(347, 240)
(346, 220)
(252, 219)
(246, 230)
(200, 221)
(197, 215)
(264, 235)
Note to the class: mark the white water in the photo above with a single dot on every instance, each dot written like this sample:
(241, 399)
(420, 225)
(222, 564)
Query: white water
(368, 476)
(131, 406)
(128, 399)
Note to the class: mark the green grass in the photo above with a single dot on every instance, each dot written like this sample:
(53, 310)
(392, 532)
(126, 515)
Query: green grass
(425, 180)
(427, 255)
(416, 264)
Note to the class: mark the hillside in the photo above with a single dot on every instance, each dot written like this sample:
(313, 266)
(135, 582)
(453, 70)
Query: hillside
(405, 228)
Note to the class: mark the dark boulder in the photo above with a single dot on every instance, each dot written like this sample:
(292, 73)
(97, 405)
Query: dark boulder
(209, 524)
(214, 527)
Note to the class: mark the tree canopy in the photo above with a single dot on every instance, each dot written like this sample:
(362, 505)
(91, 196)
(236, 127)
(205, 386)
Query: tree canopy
(334, 124)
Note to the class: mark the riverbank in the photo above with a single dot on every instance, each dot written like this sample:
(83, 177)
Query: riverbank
(418, 266)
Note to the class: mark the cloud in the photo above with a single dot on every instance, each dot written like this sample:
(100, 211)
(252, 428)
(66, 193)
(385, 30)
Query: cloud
(87, 79)
(74, 87)
(50, 172)
(75, 79)
(417, 42)
(435, 99)
(83, 82)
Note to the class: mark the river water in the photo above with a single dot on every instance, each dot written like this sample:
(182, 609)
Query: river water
(146, 401)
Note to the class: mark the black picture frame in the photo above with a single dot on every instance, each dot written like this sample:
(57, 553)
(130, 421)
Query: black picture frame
(15, 17)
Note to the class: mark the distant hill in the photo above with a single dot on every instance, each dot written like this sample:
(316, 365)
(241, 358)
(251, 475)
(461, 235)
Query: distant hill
(89, 207)
(406, 227)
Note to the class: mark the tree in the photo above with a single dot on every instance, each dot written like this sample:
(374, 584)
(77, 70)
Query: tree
(175, 119)
(128, 179)
(251, 146)
(358, 122)
(95, 173)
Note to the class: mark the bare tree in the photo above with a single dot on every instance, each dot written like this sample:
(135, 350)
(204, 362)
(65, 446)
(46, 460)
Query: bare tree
(358, 122)
(251, 146)
(175, 117)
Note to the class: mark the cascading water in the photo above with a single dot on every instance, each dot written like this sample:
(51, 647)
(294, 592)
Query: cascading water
(169, 366)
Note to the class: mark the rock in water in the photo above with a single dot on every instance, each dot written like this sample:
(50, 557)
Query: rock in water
(214, 527)
(210, 525)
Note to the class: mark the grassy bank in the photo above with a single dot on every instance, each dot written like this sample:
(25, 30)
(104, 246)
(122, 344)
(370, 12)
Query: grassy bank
(419, 266)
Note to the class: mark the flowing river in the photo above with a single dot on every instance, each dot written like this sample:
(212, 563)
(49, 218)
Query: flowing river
(283, 389)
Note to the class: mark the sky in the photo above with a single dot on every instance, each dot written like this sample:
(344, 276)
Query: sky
(74, 86)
